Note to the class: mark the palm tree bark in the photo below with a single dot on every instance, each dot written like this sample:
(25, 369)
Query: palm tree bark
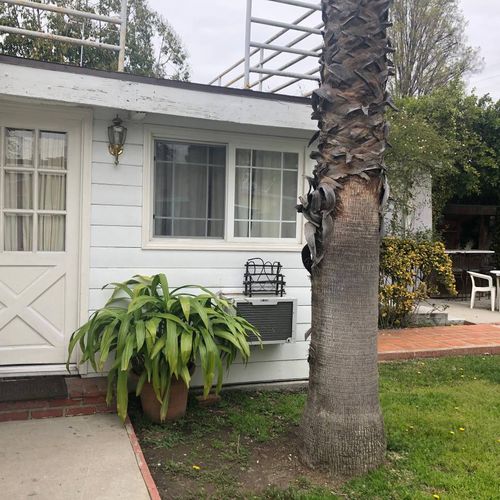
(342, 425)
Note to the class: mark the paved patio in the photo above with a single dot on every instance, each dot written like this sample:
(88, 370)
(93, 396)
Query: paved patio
(439, 341)
(460, 309)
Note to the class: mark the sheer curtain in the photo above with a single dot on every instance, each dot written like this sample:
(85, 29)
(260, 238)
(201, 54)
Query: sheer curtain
(18, 194)
(52, 192)
(51, 229)
(18, 233)
(265, 194)
(19, 191)
(189, 189)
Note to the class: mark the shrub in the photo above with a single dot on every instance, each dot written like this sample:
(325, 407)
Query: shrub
(411, 269)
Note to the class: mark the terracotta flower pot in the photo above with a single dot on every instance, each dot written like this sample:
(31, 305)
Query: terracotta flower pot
(176, 405)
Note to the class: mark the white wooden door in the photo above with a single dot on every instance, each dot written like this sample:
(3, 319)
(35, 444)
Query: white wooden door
(40, 166)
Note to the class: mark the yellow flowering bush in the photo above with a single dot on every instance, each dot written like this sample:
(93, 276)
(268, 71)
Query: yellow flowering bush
(411, 269)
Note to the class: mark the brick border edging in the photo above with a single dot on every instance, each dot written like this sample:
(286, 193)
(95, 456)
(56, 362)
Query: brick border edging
(438, 353)
(141, 461)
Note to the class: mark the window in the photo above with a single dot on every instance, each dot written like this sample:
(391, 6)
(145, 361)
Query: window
(33, 196)
(209, 190)
(189, 190)
(265, 194)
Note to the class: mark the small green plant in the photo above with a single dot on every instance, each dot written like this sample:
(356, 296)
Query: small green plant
(160, 334)
(411, 270)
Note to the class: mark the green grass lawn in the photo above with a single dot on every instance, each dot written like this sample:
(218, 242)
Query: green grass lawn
(442, 419)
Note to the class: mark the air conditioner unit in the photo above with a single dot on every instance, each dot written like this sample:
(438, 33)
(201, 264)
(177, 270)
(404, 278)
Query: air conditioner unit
(274, 317)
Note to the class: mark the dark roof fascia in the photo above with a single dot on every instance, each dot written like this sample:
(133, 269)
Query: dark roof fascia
(200, 87)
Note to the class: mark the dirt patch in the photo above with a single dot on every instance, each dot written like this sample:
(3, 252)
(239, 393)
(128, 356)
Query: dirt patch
(226, 465)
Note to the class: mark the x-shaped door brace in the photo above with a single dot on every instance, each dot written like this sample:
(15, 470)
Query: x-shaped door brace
(19, 305)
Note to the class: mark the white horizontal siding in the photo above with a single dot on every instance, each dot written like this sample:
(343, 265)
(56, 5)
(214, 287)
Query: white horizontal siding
(201, 259)
(228, 278)
(270, 371)
(116, 254)
(105, 173)
(117, 195)
(115, 236)
(118, 215)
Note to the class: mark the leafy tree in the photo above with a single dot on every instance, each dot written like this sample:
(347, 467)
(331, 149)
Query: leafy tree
(153, 48)
(342, 425)
(451, 136)
(431, 47)
(470, 126)
(419, 154)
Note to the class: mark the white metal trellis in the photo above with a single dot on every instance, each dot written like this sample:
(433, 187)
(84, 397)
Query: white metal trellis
(119, 21)
(267, 51)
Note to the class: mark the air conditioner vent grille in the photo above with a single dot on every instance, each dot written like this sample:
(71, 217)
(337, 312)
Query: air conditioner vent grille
(274, 322)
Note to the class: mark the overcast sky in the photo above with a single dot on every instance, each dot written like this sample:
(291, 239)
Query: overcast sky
(214, 33)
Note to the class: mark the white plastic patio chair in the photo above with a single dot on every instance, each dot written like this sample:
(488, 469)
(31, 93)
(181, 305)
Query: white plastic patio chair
(483, 289)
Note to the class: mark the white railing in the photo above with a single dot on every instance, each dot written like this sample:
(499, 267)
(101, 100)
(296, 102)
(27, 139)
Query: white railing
(119, 21)
(267, 51)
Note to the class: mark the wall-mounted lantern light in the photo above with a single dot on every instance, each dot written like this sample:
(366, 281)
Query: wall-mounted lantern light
(117, 134)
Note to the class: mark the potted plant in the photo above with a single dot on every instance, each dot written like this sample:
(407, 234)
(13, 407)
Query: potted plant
(160, 334)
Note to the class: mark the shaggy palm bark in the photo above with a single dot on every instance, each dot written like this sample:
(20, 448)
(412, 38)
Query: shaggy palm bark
(342, 426)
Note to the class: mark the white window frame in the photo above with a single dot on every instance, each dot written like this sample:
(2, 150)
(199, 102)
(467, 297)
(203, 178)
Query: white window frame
(232, 141)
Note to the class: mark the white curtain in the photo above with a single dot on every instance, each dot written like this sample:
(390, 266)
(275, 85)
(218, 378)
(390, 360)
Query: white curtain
(269, 189)
(51, 229)
(19, 147)
(52, 192)
(189, 190)
(52, 150)
(18, 233)
(18, 194)
(51, 196)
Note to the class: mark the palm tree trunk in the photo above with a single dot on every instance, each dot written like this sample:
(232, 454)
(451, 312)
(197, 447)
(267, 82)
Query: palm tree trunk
(342, 426)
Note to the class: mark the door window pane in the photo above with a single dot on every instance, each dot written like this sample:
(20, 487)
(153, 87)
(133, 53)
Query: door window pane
(52, 191)
(189, 190)
(34, 181)
(52, 147)
(18, 232)
(265, 194)
(51, 233)
(19, 147)
(18, 190)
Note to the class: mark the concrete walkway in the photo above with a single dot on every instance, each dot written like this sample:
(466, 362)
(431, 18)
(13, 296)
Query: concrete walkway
(87, 458)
